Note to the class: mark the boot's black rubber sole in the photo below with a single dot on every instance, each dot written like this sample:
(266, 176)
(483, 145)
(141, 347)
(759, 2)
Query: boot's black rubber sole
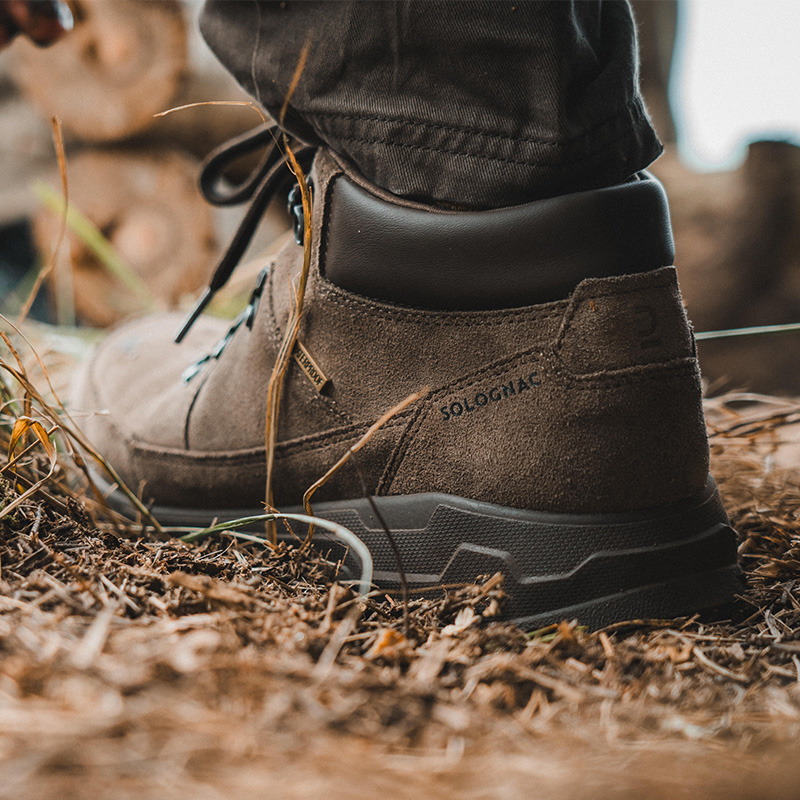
(599, 568)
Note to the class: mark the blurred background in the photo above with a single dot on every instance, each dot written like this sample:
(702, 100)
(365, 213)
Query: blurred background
(720, 79)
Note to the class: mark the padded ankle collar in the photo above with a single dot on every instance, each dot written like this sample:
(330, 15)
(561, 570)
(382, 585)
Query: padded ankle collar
(383, 248)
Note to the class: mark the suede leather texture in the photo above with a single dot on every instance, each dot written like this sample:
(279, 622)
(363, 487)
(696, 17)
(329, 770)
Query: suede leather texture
(590, 404)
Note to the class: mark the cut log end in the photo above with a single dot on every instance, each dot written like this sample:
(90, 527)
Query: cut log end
(147, 206)
(123, 63)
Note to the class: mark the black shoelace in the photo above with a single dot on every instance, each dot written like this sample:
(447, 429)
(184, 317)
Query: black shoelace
(260, 187)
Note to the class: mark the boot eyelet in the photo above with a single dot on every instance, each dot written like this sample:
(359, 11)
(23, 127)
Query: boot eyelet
(295, 208)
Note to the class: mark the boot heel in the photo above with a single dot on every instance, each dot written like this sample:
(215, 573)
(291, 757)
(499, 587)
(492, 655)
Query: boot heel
(599, 568)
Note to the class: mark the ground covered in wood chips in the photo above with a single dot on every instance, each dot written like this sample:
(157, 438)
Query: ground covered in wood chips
(137, 667)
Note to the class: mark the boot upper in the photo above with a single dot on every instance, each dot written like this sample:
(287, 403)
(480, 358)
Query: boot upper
(587, 403)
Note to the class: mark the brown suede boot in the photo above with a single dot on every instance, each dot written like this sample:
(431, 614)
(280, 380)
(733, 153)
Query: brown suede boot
(561, 442)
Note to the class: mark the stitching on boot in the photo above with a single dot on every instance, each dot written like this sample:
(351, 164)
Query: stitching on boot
(188, 420)
(256, 455)
(653, 279)
(401, 449)
(622, 377)
(337, 437)
(338, 297)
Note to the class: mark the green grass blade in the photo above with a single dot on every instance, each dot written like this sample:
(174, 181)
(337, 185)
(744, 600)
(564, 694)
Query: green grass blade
(99, 245)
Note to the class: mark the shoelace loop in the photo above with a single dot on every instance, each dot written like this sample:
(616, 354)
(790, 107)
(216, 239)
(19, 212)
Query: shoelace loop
(259, 188)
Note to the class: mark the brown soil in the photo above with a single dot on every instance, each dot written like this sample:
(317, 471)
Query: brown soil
(133, 667)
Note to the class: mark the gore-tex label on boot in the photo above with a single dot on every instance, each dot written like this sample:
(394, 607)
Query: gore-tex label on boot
(510, 388)
(309, 366)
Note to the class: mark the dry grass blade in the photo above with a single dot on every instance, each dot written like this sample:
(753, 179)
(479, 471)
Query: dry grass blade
(58, 139)
(298, 72)
(21, 427)
(72, 437)
(18, 431)
(248, 103)
(371, 431)
(283, 358)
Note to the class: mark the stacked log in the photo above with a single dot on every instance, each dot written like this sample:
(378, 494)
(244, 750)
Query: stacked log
(131, 173)
(146, 204)
(123, 63)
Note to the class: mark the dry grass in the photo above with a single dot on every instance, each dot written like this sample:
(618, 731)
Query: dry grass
(136, 667)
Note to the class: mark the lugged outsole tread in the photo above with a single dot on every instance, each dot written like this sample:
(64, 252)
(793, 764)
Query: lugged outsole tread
(663, 562)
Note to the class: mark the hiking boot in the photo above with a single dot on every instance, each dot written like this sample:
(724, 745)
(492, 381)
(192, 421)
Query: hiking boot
(560, 440)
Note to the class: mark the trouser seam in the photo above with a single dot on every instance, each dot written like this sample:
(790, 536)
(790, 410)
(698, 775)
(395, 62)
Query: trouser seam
(499, 159)
(631, 105)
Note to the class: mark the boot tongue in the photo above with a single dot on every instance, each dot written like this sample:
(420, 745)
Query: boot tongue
(383, 248)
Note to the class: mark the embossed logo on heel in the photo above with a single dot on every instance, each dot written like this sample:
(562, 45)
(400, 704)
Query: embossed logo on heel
(646, 326)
